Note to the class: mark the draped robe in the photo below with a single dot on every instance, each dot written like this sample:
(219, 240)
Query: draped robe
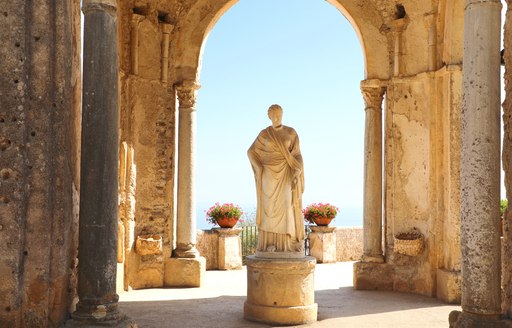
(275, 156)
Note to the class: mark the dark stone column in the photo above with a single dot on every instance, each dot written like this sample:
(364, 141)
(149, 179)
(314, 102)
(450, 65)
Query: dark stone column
(97, 250)
(480, 168)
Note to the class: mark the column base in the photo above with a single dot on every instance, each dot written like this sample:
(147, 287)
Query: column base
(448, 286)
(123, 322)
(275, 315)
(458, 319)
(372, 258)
(281, 291)
(373, 276)
(184, 272)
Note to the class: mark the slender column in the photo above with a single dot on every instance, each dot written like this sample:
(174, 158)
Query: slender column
(398, 26)
(430, 24)
(166, 31)
(97, 249)
(480, 165)
(186, 209)
(134, 43)
(373, 93)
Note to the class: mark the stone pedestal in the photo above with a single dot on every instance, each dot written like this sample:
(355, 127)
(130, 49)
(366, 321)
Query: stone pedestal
(230, 249)
(322, 244)
(184, 272)
(281, 291)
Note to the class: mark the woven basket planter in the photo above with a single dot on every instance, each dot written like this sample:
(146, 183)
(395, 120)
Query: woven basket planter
(409, 243)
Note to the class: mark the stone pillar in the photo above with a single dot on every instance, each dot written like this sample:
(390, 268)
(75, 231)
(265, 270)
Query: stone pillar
(186, 268)
(373, 93)
(166, 31)
(134, 45)
(398, 26)
(97, 249)
(430, 24)
(480, 168)
(322, 244)
(186, 209)
(230, 248)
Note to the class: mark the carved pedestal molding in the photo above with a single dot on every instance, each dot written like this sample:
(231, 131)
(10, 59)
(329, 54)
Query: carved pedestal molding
(373, 92)
(480, 168)
(186, 212)
(97, 251)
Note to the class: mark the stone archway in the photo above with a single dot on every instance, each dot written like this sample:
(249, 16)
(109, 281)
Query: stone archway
(402, 56)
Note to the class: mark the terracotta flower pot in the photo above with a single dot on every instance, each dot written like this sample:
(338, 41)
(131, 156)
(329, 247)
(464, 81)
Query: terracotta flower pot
(226, 222)
(322, 221)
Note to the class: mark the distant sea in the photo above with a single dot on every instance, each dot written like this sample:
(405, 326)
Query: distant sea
(347, 217)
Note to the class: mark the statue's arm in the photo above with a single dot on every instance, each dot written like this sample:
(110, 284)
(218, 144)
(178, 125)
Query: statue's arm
(257, 167)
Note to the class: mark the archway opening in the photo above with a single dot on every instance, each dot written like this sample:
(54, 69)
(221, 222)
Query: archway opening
(304, 56)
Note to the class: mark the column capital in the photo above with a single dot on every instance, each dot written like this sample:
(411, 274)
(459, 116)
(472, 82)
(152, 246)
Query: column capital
(187, 93)
(167, 28)
(483, 3)
(136, 19)
(373, 92)
(109, 6)
(398, 25)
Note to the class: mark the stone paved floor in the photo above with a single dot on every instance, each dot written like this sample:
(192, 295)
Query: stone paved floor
(220, 304)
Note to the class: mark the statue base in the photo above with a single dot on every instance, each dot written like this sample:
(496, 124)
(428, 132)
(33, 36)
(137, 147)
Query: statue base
(281, 291)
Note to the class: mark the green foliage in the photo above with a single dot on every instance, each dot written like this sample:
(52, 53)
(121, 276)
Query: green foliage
(503, 206)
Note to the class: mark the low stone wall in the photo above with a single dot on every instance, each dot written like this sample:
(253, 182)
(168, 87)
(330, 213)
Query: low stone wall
(349, 245)
(208, 246)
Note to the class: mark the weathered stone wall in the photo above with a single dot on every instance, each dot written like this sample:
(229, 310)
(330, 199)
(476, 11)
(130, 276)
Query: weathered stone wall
(208, 247)
(349, 244)
(148, 135)
(507, 166)
(39, 146)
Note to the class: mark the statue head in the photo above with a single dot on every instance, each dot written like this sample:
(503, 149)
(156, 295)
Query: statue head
(275, 114)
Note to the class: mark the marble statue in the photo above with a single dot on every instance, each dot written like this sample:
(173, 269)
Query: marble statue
(279, 173)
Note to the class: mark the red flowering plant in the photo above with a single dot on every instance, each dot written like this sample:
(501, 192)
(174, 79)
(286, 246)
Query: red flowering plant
(227, 210)
(319, 210)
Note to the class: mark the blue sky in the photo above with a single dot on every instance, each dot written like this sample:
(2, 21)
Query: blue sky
(303, 55)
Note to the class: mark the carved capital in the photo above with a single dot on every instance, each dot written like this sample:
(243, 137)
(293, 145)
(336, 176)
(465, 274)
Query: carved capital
(187, 93)
(373, 93)
(167, 28)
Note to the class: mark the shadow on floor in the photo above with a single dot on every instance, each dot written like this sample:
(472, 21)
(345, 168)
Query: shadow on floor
(227, 311)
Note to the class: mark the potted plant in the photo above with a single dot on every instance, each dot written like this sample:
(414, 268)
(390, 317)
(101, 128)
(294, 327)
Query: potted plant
(320, 213)
(225, 215)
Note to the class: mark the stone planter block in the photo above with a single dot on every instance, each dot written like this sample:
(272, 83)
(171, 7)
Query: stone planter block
(230, 248)
(281, 291)
(322, 244)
